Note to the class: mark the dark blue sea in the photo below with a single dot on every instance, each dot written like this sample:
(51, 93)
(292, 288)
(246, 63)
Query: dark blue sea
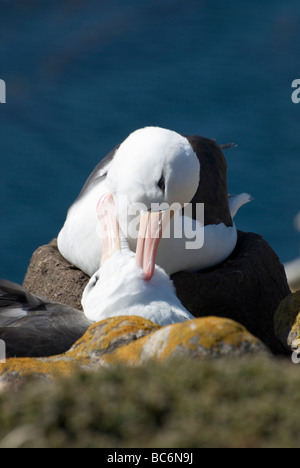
(82, 74)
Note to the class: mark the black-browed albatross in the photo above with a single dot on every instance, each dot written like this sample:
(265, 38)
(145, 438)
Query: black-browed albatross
(155, 166)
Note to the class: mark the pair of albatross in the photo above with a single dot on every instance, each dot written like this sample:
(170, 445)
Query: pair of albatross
(152, 168)
(31, 326)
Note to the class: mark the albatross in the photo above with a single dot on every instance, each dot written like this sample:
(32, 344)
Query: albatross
(121, 286)
(157, 167)
(35, 327)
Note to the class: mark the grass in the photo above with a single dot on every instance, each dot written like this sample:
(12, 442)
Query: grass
(182, 404)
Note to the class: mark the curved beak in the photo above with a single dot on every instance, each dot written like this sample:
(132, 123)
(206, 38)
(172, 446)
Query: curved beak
(152, 224)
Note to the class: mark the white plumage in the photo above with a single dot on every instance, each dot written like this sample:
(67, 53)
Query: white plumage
(152, 166)
(119, 286)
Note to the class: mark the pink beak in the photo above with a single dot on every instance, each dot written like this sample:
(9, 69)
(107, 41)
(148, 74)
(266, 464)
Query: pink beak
(150, 234)
(110, 227)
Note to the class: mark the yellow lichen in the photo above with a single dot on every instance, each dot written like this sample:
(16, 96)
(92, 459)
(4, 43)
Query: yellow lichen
(22, 367)
(193, 336)
(133, 340)
(101, 336)
(96, 340)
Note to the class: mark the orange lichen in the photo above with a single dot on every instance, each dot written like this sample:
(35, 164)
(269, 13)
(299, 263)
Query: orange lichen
(113, 332)
(133, 341)
(191, 338)
(22, 367)
(99, 339)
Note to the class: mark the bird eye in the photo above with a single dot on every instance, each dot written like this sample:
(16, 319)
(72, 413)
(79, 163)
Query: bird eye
(96, 279)
(162, 184)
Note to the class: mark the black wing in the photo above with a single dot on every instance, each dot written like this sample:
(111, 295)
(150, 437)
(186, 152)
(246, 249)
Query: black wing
(99, 173)
(16, 302)
(32, 327)
(212, 189)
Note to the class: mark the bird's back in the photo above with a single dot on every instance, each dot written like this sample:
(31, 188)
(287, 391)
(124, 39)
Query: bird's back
(33, 327)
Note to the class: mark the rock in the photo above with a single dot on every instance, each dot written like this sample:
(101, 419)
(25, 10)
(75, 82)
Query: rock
(287, 321)
(107, 336)
(248, 287)
(134, 341)
(202, 338)
(87, 353)
(50, 276)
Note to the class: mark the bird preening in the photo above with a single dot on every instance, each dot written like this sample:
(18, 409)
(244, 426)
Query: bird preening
(162, 173)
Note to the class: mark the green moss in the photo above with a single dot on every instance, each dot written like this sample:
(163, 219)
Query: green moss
(224, 403)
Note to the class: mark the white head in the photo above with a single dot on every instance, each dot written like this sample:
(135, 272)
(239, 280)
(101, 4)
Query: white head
(119, 287)
(152, 167)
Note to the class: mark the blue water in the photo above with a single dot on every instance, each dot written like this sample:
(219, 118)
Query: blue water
(81, 75)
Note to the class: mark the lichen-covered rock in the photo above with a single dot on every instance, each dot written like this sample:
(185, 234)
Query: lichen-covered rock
(101, 338)
(202, 338)
(134, 341)
(16, 371)
(107, 336)
(248, 287)
(287, 321)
